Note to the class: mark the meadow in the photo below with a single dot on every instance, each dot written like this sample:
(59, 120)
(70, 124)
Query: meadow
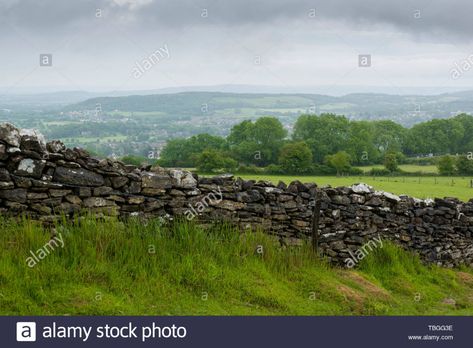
(145, 268)
(408, 168)
(419, 187)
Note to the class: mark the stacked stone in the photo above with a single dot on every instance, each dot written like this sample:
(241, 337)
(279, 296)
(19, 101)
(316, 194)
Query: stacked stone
(47, 180)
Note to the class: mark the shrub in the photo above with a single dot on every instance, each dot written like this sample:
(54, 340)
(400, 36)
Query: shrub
(446, 165)
(379, 172)
(296, 158)
(355, 171)
(214, 161)
(322, 169)
(391, 160)
(274, 169)
(421, 161)
(134, 160)
(340, 162)
(464, 165)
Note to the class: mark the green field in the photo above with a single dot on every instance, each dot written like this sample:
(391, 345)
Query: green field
(136, 113)
(60, 123)
(408, 168)
(420, 187)
(86, 140)
(135, 268)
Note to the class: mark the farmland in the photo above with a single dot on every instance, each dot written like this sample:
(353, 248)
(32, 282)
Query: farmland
(408, 168)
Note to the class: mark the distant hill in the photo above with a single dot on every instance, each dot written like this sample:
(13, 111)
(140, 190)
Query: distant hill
(404, 109)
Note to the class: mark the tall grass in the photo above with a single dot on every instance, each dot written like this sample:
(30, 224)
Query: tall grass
(142, 267)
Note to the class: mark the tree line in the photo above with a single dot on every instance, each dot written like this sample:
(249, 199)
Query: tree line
(322, 144)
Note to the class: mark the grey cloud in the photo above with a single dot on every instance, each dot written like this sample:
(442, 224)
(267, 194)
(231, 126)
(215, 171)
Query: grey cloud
(221, 48)
(437, 17)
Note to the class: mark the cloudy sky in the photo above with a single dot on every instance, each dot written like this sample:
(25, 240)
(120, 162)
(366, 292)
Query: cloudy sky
(98, 44)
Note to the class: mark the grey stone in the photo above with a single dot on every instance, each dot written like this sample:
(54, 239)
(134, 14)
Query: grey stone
(4, 175)
(119, 181)
(33, 196)
(182, 179)
(55, 146)
(389, 196)
(32, 140)
(77, 177)
(155, 181)
(102, 191)
(13, 150)
(22, 182)
(375, 201)
(10, 134)
(73, 199)
(59, 193)
(84, 192)
(42, 209)
(135, 187)
(31, 168)
(135, 200)
(15, 195)
(362, 188)
(46, 184)
(357, 199)
(6, 185)
(3, 152)
(94, 202)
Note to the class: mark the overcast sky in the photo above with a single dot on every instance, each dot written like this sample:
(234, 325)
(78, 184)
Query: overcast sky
(97, 45)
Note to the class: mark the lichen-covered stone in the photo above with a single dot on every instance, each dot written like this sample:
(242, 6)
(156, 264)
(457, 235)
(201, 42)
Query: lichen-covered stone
(32, 140)
(10, 134)
(30, 167)
(182, 179)
(155, 181)
(55, 146)
(93, 202)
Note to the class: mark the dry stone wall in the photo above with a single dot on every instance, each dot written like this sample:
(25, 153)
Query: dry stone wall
(45, 180)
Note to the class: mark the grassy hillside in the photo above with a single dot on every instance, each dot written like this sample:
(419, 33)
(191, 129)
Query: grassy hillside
(401, 109)
(420, 187)
(111, 268)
